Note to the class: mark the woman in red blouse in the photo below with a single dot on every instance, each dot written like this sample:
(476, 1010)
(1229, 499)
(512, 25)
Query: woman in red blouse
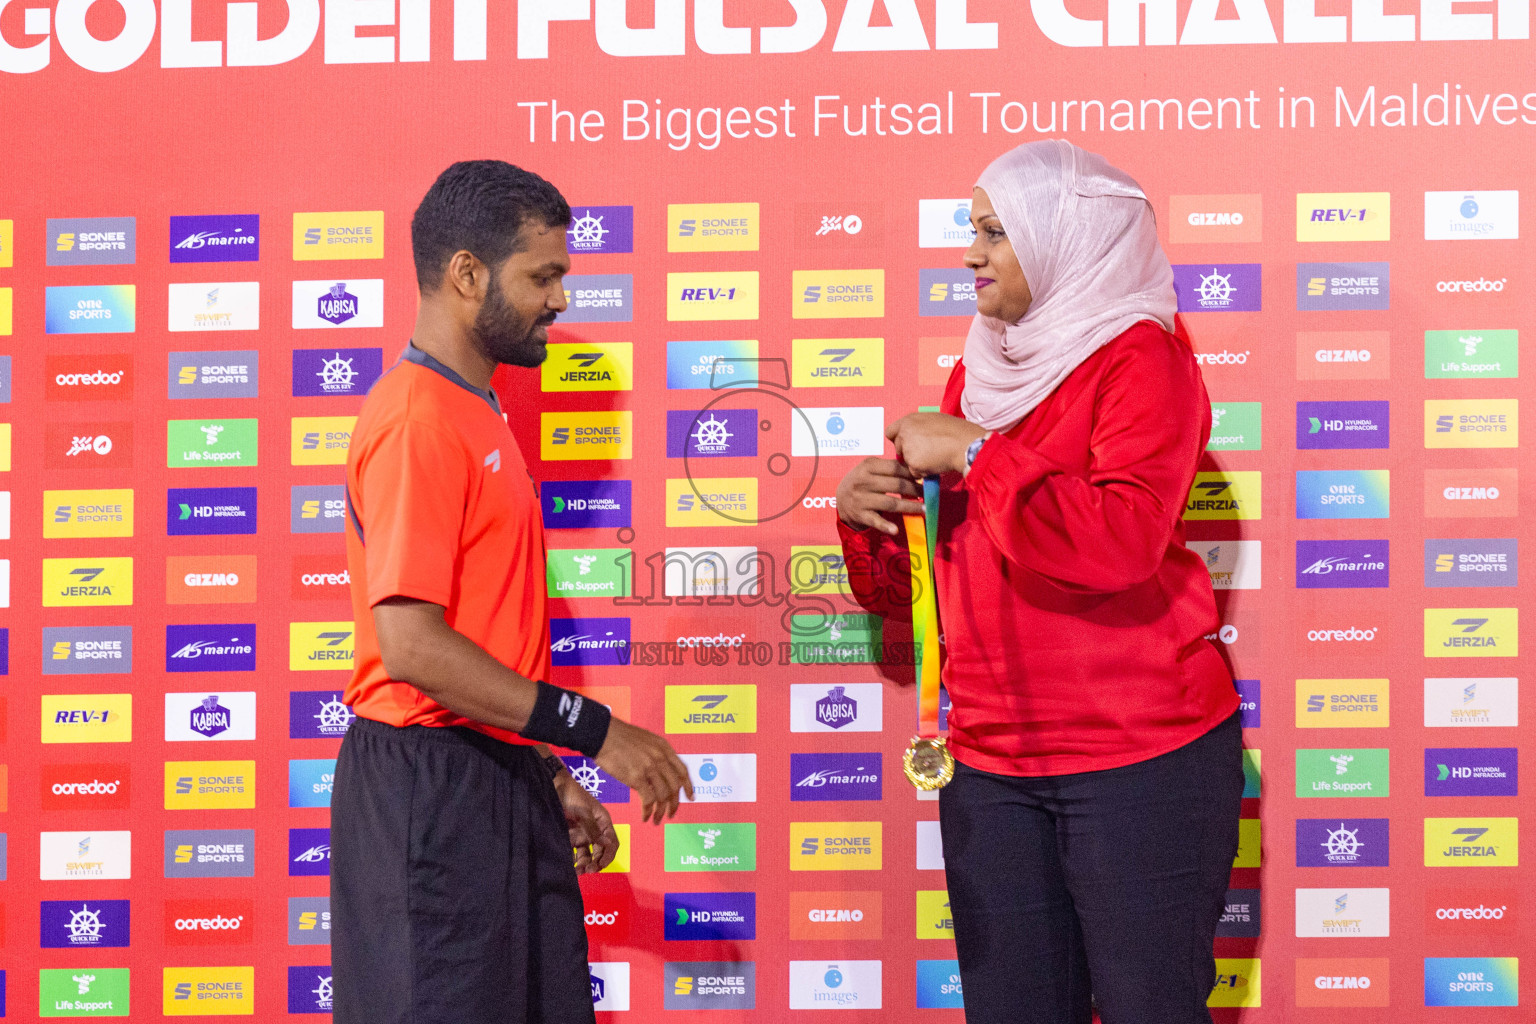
(1091, 825)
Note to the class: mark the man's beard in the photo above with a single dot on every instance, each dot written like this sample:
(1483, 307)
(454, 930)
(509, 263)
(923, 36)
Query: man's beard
(505, 335)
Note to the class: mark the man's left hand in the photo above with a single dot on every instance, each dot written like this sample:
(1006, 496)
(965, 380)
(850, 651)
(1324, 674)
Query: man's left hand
(931, 443)
(591, 829)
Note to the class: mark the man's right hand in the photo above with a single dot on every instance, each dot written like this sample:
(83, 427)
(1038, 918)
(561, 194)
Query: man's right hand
(646, 762)
(874, 487)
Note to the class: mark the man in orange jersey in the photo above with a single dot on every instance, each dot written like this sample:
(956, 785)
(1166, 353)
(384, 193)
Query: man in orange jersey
(453, 894)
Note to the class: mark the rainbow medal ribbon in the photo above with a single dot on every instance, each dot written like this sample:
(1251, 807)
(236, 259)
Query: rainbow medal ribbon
(927, 762)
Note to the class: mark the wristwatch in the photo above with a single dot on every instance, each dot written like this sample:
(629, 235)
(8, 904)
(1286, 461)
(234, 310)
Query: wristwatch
(972, 450)
(553, 766)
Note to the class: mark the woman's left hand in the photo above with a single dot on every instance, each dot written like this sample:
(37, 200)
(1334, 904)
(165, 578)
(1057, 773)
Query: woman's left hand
(931, 442)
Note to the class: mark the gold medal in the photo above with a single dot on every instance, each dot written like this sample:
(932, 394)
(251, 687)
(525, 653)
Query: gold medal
(928, 764)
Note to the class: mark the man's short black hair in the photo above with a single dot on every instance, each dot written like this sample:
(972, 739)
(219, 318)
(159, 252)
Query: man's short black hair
(480, 206)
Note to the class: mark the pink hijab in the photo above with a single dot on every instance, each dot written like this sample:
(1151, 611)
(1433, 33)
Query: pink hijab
(1086, 239)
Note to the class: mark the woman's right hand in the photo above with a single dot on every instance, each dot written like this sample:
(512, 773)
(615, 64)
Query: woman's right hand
(871, 488)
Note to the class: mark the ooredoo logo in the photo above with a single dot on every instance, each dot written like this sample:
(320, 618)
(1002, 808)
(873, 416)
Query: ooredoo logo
(1351, 635)
(85, 787)
(320, 577)
(607, 916)
(1470, 911)
(99, 378)
(1222, 358)
(209, 922)
(1482, 284)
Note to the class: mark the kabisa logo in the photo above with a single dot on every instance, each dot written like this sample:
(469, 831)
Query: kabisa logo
(1472, 423)
(213, 306)
(1346, 842)
(1480, 703)
(835, 776)
(220, 647)
(944, 224)
(203, 716)
(208, 991)
(1472, 563)
(318, 714)
(355, 235)
(85, 787)
(711, 846)
(1343, 425)
(76, 924)
(1460, 216)
(944, 292)
(601, 786)
(1342, 286)
(209, 922)
(702, 709)
(1343, 355)
(320, 646)
(1469, 286)
(834, 985)
(837, 294)
(1472, 981)
(1343, 494)
(1343, 703)
(1333, 564)
(226, 238)
(210, 853)
(1471, 842)
(320, 440)
(1225, 495)
(1471, 771)
(210, 785)
(1343, 216)
(594, 641)
(610, 984)
(1471, 632)
(204, 443)
(589, 366)
(311, 781)
(88, 513)
(712, 433)
(1343, 913)
(838, 362)
(709, 985)
(566, 436)
(214, 374)
(90, 309)
(103, 378)
(317, 508)
(585, 504)
(210, 511)
(712, 295)
(309, 921)
(309, 990)
(87, 718)
(331, 303)
(711, 501)
(322, 372)
(1471, 355)
(711, 365)
(712, 227)
(68, 856)
(599, 298)
(1221, 218)
(835, 845)
(1218, 288)
(851, 707)
(709, 915)
(723, 778)
(309, 851)
(91, 241)
(601, 229)
(938, 985)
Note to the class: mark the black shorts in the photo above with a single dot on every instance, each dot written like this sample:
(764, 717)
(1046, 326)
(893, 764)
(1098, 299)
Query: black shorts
(453, 895)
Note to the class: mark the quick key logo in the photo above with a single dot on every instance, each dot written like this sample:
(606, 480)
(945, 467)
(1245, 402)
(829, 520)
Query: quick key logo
(84, 924)
(327, 372)
(227, 238)
(1341, 843)
(210, 511)
(711, 434)
(601, 229)
(318, 715)
(1218, 288)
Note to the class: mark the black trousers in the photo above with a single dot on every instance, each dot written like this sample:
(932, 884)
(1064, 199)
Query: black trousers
(1108, 882)
(453, 891)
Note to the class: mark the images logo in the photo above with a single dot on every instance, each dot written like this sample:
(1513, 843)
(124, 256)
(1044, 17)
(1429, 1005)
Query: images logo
(201, 716)
(1471, 771)
(567, 436)
(1344, 217)
(214, 374)
(1471, 632)
(339, 236)
(202, 443)
(85, 582)
(214, 306)
(320, 440)
(1471, 355)
(77, 924)
(85, 787)
(1342, 703)
(97, 992)
(700, 365)
(601, 229)
(1461, 216)
(594, 641)
(210, 853)
(1472, 423)
(1471, 563)
(837, 294)
(838, 362)
(210, 511)
(589, 366)
(1343, 913)
(835, 915)
(944, 292)
(834, 776)
(1452, 703)
(228, 238)
(208, 991)
(701, 709)
(1343, 355)
(717, 846)
(208, 785)
(1341, 286)
(88, 513)
(711, 985)
(91, 241)
(843, 985)
(712, 501)
(835, 845)
(1343, 425)
(217, 647)
(103, 378)
(585, 504)
(1343, 494)
(322, 372)
(1225, 495)
(845, 430)
(209, 922)
(1218, 288)
(1342, 773)
(1341, 842)
(712, 227)
(90, 309)
(317, 715)
(1235, 427)
(320, 646)
(1225, 218)
(1471, 842)
(317, 508)
(713, 433)
(944, 224)
(69, 856)
(709, 915)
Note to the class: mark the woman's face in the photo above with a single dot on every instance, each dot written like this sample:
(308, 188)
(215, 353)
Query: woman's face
(1001, 291)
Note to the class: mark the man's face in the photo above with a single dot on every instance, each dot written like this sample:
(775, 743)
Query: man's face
(526, 293)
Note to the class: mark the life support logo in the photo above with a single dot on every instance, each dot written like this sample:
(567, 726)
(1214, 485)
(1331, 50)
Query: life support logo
(712, 295)
(1344, 217)
(1471, 354)
(357, 235)
(1472, 423)
(568, 436)
(838, 362)
(711, 846)
(712, 227)
(837, 294)
(589, 366)
(209, 443)
(320, 646)
(88, 513)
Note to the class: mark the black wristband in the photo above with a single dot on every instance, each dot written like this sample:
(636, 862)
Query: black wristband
(567, 719)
